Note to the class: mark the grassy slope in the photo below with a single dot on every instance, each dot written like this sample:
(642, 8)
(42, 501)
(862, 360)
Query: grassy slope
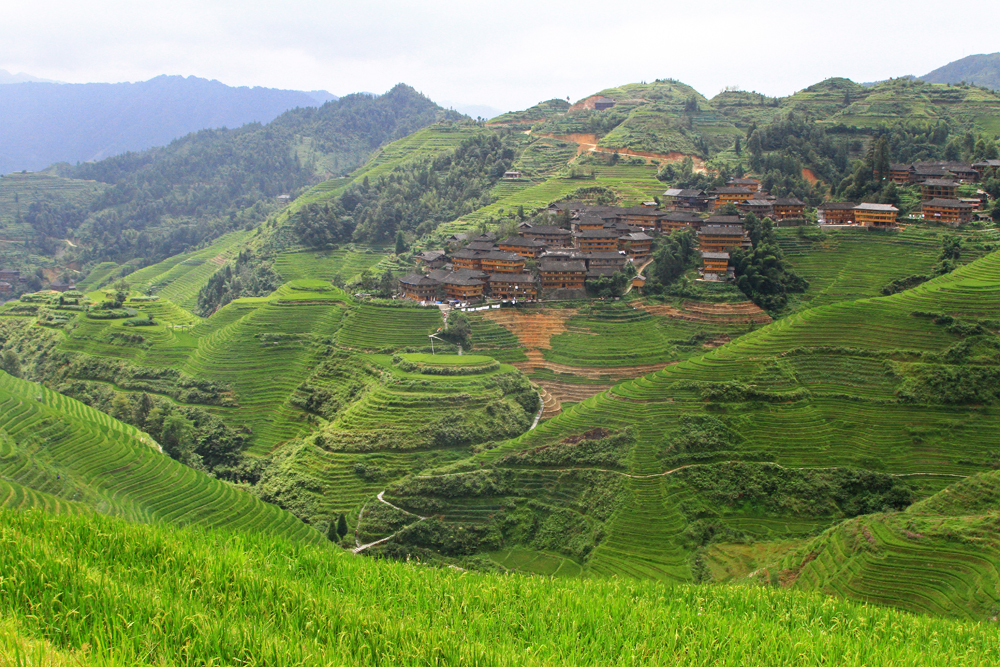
(940, 556)
(833, 372)
(262, 600)
(57, 453)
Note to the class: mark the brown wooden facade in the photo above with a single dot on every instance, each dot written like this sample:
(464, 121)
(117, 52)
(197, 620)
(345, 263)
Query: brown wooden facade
(949, 211)
(499, 261)
(562, 275)
(938, 188)
(876, 215)
(514, 286)
(836, 212)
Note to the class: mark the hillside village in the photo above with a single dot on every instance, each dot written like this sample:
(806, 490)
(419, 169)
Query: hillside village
(587, 243)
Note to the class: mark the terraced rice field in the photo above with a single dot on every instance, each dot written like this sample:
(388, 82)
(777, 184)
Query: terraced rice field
(181, 277)
(69, 453)
(829, 378)
(378, 327)
(854, 263)
(325, 265)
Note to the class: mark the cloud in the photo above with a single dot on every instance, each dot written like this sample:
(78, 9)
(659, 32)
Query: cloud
(506, 55)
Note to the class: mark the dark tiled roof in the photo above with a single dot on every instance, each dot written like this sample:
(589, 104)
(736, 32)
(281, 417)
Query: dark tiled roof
(731, 191)
(468, 253)
(521, 242)
(547, 230)
(606, 254)
(431, 255)
(718, 230)
(501, 256)
(868, 206)
(715, 255)
(599, 234)
(521, 278)
(947, 203)
(836, 205)
(637, 236)
(789, 202)
(723, 220)
(556, 266)
(941, 182)
(480, 245)
(418, 279)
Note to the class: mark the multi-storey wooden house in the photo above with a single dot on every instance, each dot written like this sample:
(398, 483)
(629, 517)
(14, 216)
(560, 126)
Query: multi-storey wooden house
(499, 261)
(514, 286)
(949, 211)
(592, 240)
(721, 238)
(730, 195)
(562, 275)
(520, 245)
(554, 237)
(875, 215)
(938, 188)
(468, 259)
(836, 213)
(419, 287)
(637, 245)
(788, 208)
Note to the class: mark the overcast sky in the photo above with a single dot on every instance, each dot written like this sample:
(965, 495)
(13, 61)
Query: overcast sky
(505, 55)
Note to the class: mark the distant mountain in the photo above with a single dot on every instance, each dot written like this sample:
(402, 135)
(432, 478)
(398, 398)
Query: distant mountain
(45, 123)
(21, 77)
(982, 70)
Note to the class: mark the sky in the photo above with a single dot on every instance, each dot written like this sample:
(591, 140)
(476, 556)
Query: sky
(502, 55)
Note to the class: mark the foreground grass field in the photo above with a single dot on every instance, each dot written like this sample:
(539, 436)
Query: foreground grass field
(167, 596)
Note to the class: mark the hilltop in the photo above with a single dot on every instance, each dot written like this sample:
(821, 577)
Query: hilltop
(981, 69)
(45, 123)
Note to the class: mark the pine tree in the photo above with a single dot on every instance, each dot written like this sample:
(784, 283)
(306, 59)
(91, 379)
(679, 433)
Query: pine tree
(342, 526)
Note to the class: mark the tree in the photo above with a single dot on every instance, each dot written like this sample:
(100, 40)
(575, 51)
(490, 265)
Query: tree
(459, 330)
(400, 243)
(10, 363)
(341, 526)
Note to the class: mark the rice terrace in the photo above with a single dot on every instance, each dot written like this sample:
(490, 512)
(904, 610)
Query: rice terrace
(649, 378)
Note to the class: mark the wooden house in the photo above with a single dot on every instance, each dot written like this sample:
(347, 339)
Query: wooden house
(643, 217)
(789, 208)
(499, 261)
(875, 215)
(591, 221)
(730, 195)
(592, 240)
(462, 286)
(981, 166)
(61, 286)
(750, 183)
(637, 245)
(525, 247)
(715, 262)
(836, 213)
(720, 238)
(468, 259)
(938, 188)
(948, 211)
(685, 199)
(419, 287)
(722, 220)
(511, 175)
(432, 259)
(678, 220)
(10, 275)
(554, 237)
(605, 259)
(602, 103)
(562, 275)
(514, 286)
(901, 173)
(759, 206)
(6, 287)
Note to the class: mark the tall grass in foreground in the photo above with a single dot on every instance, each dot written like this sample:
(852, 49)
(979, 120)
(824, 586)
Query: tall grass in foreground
(100, 591)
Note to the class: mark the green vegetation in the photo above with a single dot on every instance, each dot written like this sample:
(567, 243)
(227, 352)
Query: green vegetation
(267, 600)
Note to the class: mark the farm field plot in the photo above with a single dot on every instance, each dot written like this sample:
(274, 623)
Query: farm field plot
(325, 264)
(377, 327)
(853, 264)
(180, 278)
(28, 188)
(816, 389)
(66, 450)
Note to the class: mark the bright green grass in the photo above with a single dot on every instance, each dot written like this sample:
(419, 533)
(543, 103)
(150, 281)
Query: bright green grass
(325, 264)
(181, 277)
(66, 451)
(376, 327)
(261, 600)
(97, 276)
(449, 359)
(852, 264)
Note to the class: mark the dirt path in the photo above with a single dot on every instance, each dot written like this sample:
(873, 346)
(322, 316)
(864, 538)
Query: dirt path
(362, 547)
(587, 143)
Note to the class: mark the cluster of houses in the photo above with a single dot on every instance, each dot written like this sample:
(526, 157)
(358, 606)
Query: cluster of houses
(540, 258)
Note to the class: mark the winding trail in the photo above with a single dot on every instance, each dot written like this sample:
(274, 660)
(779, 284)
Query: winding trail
(362, 547)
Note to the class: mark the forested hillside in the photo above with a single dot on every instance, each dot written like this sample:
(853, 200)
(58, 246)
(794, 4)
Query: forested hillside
(982, 70)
